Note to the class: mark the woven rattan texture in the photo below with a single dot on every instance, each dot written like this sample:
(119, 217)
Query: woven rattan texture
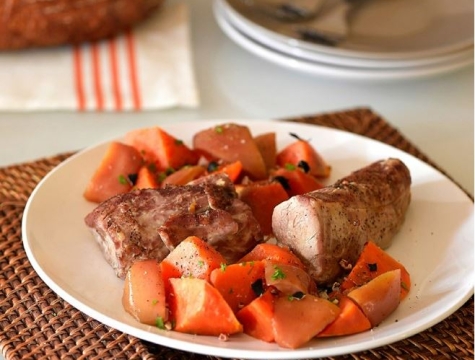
(36, 324)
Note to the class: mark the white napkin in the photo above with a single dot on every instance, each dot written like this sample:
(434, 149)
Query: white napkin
(149, 67)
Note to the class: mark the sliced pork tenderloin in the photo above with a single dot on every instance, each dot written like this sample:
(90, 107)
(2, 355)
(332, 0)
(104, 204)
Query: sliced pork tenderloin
(149, 223)
(329, 226)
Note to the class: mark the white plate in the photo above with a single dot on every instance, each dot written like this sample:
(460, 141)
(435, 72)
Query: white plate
(435, 244)
(331, 70)
(245, 26)
(384, 29)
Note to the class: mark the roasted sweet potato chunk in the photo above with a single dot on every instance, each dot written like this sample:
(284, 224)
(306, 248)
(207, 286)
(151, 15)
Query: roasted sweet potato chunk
(198, 308)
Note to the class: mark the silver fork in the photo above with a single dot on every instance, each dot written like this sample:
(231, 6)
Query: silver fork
(329, 27)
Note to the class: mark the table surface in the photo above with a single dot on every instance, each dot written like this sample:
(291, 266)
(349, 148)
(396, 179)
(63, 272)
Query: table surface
(436, 114)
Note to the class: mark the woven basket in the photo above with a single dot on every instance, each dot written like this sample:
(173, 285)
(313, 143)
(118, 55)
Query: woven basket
(41, 23)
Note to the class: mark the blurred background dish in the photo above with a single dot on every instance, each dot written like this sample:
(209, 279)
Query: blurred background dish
(273, 47)
(309, 52)
(383, 29)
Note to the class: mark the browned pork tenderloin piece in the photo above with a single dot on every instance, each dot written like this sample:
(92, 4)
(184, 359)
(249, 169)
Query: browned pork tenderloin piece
(331, 225)
(129, 227)
(233, 232)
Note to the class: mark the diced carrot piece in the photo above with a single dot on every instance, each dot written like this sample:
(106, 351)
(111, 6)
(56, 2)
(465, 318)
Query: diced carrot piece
(296, 321)
(302, 150)
(232, 142)
(256, 317)
(192, 257)
(275, 253)
(169, 271)
(233, 170)
(262, 197)
(184, 175)
(160, 148)
(235, 282)
(112, 176)
(372, 262)
(288, 279)
(198, 308)
(144, 293)
(266, 143)
(296, 181)
(350, 321)
(146, 179)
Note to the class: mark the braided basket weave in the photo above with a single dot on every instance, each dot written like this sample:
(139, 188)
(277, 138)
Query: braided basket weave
(41, 23)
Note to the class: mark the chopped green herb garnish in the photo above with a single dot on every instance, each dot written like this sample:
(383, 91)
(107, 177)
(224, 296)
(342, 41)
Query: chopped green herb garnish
(201, 263)
(290, 166)
(404, 286)
(161, 176)
(152, 167)
(169, 171)
(154, 302)
(123, 180)
(219, 129)
(223, 266)
(178, 142)
(160, 323)
(278, 273)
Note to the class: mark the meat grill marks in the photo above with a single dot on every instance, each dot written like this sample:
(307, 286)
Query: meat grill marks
(149, 223)
(332, 224)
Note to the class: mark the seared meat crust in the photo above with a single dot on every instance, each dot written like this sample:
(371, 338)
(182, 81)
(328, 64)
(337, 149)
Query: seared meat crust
(149, 223)
(332, 224)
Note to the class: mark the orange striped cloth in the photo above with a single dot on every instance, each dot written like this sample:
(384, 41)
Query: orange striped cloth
(149, 67)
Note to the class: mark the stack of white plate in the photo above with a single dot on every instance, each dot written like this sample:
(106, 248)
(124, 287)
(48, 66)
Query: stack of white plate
(389, 39)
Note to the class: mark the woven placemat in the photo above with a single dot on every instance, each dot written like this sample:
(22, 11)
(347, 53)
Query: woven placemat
(36, 324)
